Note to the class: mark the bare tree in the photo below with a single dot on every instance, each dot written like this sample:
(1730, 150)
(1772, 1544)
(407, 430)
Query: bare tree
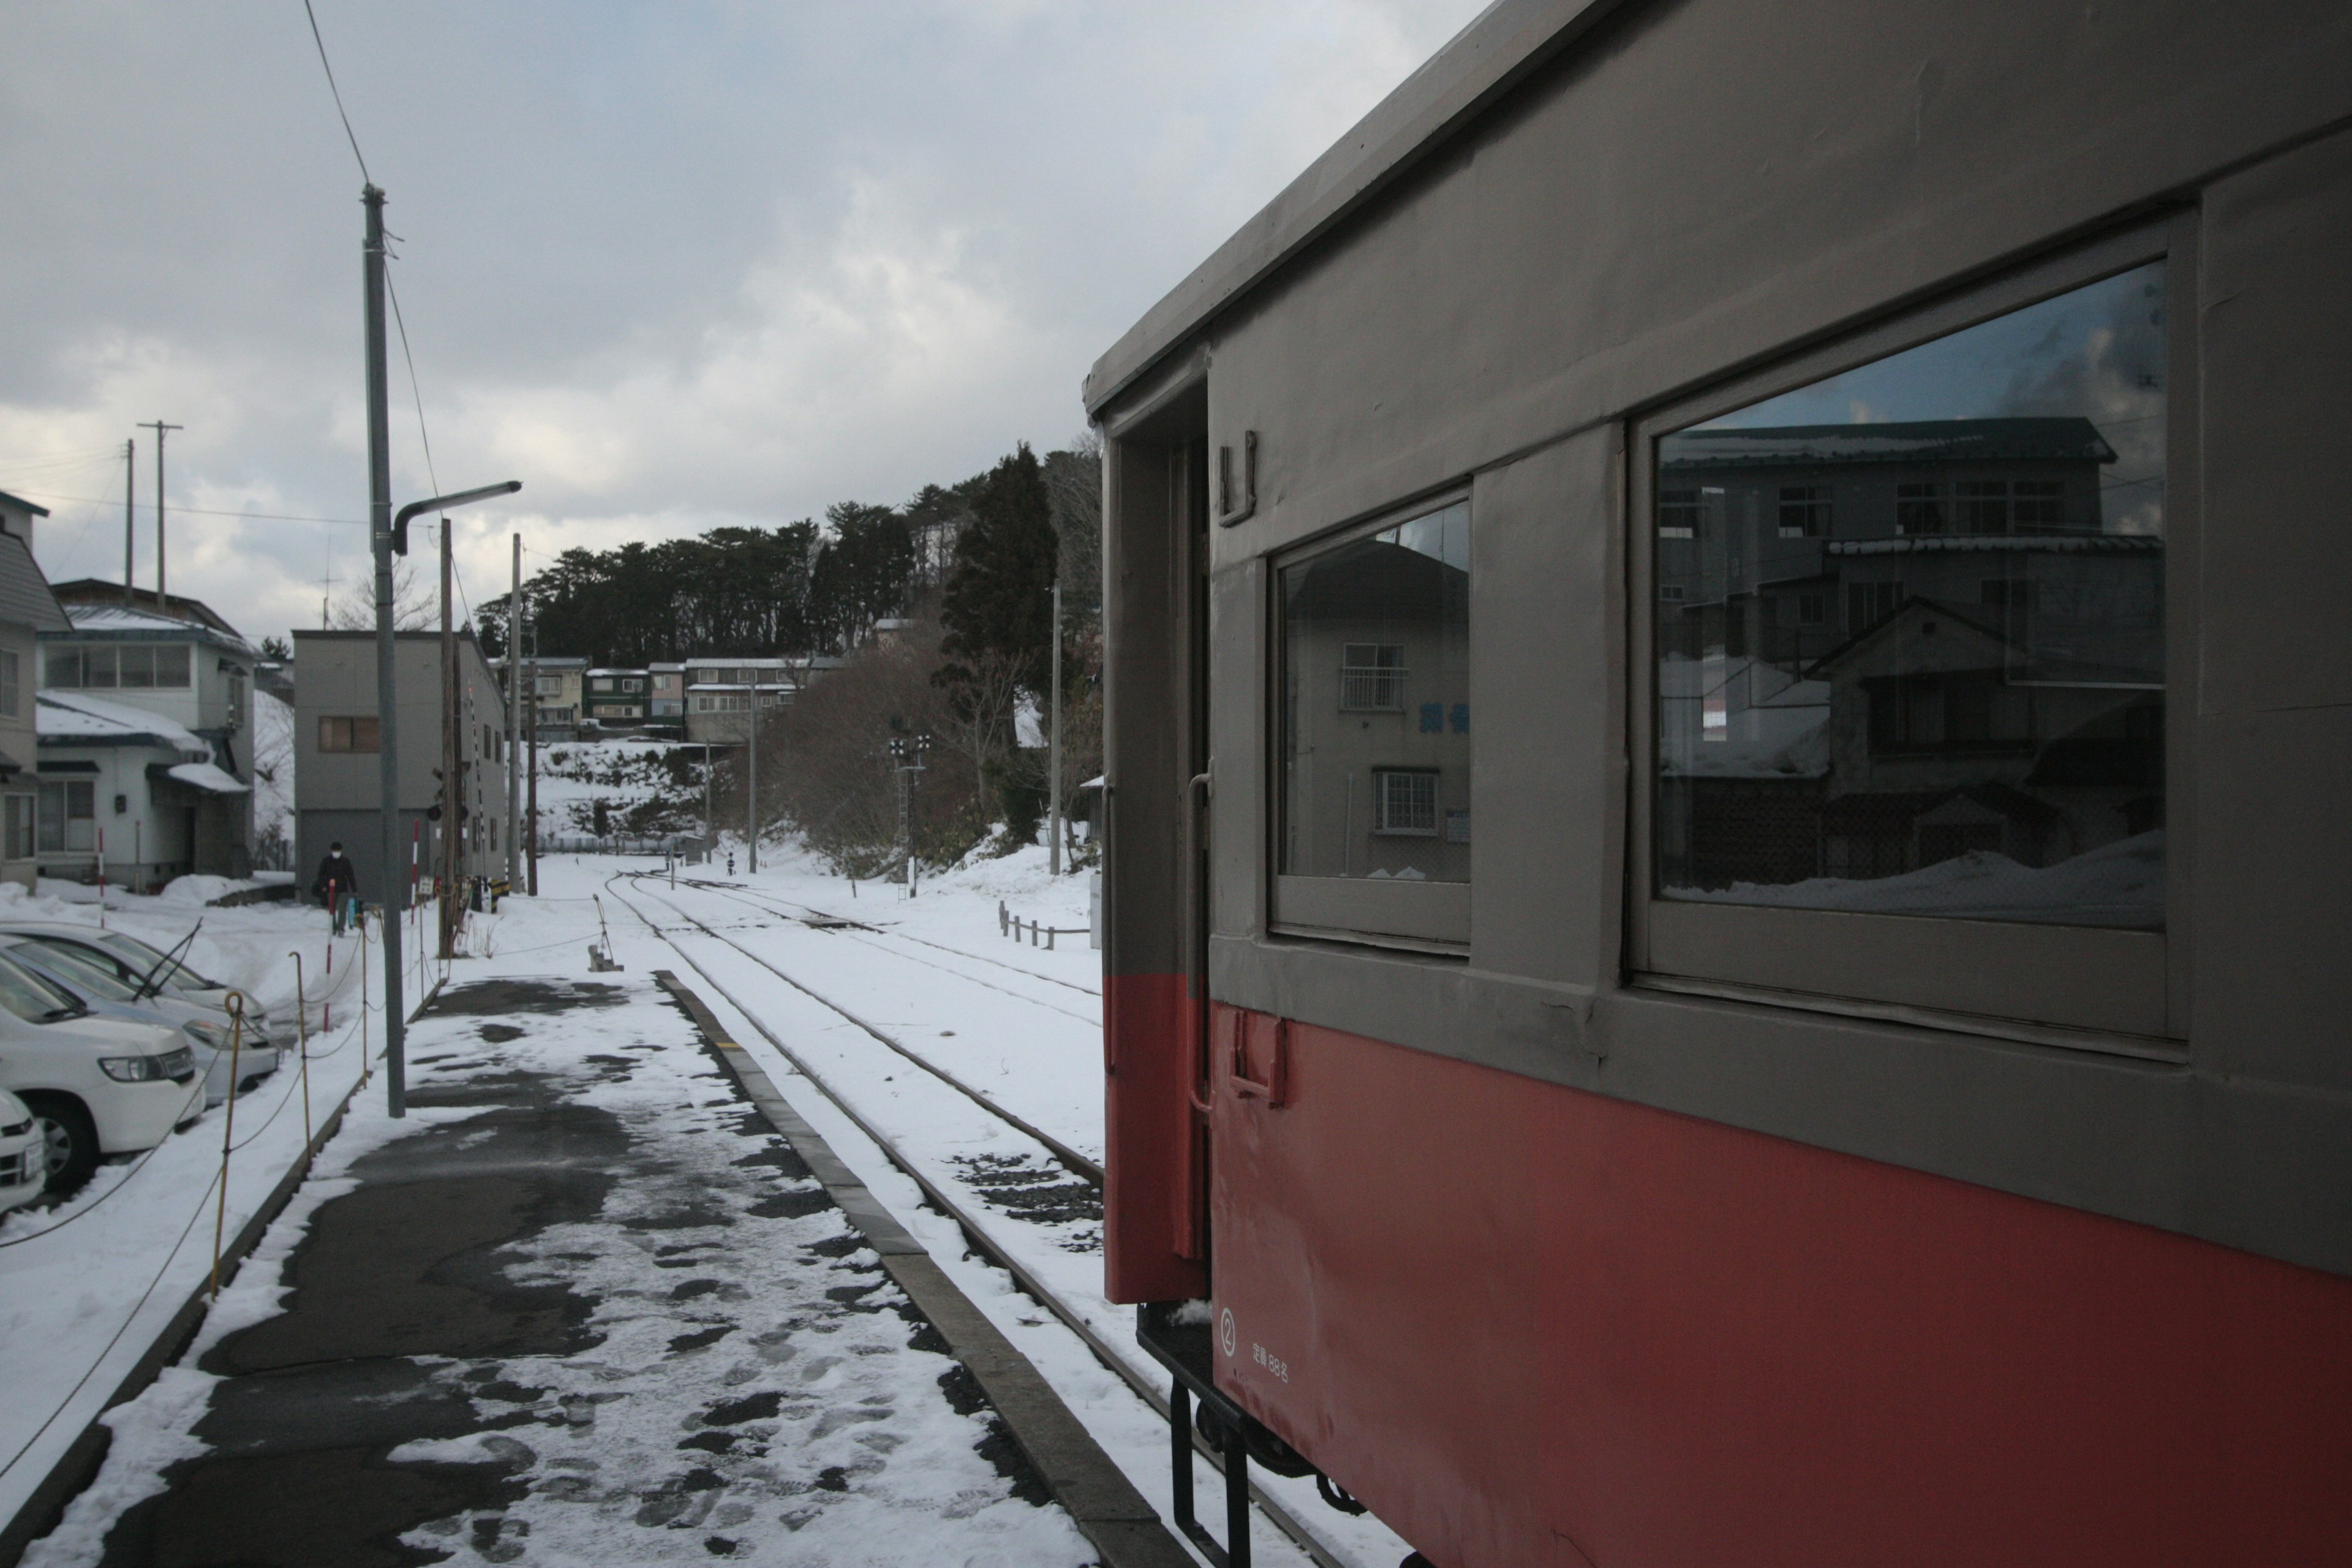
(415, 604)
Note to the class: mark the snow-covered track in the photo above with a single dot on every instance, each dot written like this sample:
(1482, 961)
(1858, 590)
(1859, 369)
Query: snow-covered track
(850, 924)
(1079, 1164)
(1125, 1363)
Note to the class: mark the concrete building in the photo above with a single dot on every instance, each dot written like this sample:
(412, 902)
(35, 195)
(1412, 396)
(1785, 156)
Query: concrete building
(666, 688)
(720, 692)
(145, 724)
(27, 608)
(337, 754)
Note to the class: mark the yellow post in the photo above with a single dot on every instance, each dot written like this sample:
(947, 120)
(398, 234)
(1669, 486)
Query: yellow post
(229, 1128)
(302, 1033)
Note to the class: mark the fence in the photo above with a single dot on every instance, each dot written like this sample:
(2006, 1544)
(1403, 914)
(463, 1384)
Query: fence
(686, 846)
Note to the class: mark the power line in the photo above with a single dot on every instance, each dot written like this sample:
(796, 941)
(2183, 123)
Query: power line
(337, 91)
(414, 391)
(195, 511)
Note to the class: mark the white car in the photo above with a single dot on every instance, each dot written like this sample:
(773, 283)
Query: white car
(140, 964)
(24, 1154)
(226, 1056)
(95, 1086)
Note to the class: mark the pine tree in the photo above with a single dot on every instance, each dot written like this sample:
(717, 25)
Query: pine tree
(999, 597)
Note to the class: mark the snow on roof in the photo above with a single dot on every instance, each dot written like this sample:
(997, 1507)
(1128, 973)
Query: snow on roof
(2069, 437)
(209, 778)
(2006, 544)
(116, 620)
(66, 717)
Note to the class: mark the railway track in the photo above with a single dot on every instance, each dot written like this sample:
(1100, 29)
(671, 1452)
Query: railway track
(845, 924)
(1142, 1379)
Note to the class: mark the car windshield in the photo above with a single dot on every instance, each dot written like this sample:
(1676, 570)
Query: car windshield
(33, 998)
(67, 964)
(143, 958)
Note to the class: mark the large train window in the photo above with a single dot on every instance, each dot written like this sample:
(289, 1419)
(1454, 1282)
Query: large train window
(1375, 712)
(1908, 658)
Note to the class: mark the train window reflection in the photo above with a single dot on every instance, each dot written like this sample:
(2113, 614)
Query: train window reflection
(1376, 705)
(1910, 649)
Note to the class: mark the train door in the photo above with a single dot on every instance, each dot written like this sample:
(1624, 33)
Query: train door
(1191, 507)
(1156, 877)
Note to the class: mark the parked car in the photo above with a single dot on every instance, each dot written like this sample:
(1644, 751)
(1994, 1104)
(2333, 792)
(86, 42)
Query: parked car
(104, 991)
(24, 1154)
(95, 1086)
(138, 962)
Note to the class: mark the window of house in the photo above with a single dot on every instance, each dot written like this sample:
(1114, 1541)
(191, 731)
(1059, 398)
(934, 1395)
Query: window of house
(171, 666)
(1376, 730)
(1804, 512)
(1678, 514)
(16, 813)
(69, 816)
(2038, 506)
(1985, 746)
(357, 732)
(1981, 506)
(1371, 678)
(1919, 509)
(1812, 609)
(1867, 604)
(1405, 802)
(11, 695)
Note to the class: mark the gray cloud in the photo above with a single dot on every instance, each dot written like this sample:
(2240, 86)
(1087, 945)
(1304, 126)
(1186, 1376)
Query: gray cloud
(671, 266)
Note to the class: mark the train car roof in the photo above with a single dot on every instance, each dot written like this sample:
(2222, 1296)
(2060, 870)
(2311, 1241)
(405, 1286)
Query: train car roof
(1502, 46)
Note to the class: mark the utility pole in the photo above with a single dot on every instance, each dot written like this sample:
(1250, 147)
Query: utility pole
(158, 426)
(130, 524)
(514, 721)
(453, 795)
(753, 792)
(531, 826)
(1054, 737)
(387, 704)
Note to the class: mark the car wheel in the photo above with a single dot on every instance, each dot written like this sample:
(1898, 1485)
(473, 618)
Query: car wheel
(69, 1137)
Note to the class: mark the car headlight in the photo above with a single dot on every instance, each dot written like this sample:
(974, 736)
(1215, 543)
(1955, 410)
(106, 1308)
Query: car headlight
(17, 1129)
(179, 1064)
(212, 1036)
(136, 1069)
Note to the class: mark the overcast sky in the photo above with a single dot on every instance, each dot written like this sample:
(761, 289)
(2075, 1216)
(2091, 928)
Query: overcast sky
(672, 265)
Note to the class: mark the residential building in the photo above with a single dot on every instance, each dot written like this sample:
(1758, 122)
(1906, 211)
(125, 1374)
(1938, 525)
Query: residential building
(16, 515)
(721, 691)
(667, 684)
(559, 696)
(145, 724)
(337, 754)
(613, 698)
(27, 608)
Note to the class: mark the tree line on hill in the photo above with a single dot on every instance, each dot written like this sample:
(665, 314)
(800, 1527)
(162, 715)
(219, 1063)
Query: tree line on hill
(967, 570)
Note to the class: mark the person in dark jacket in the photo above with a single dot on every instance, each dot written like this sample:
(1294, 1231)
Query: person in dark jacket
(337, 885)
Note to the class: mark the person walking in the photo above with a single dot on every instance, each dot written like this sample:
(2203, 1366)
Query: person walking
(337, 883)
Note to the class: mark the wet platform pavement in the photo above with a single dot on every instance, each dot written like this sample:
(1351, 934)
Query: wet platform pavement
(583, 1306)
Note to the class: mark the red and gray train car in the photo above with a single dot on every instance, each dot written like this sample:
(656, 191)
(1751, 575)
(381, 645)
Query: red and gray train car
(1729, 792)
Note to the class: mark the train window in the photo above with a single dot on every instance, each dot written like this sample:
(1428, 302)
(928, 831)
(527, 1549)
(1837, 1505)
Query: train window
(1375, 781)
(1981, 736)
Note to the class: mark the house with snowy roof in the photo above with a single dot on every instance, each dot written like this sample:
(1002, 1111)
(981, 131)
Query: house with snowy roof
(28, 609)
(145, 721)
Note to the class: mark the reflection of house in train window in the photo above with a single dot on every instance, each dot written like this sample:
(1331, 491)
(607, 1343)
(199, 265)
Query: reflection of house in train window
(1376, 716)
(1992, 683)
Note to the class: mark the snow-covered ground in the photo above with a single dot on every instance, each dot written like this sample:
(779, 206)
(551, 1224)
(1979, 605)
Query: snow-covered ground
(933, 972)
(86, 1286)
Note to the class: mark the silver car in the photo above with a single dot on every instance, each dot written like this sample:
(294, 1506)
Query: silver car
(100, 987)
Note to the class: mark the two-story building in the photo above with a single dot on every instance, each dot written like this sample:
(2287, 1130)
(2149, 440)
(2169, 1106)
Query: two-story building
(613, 698)
(558, 695)
(665, 690)
(27, 608)
(145, 728)
(338, 751)
(720, 692)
